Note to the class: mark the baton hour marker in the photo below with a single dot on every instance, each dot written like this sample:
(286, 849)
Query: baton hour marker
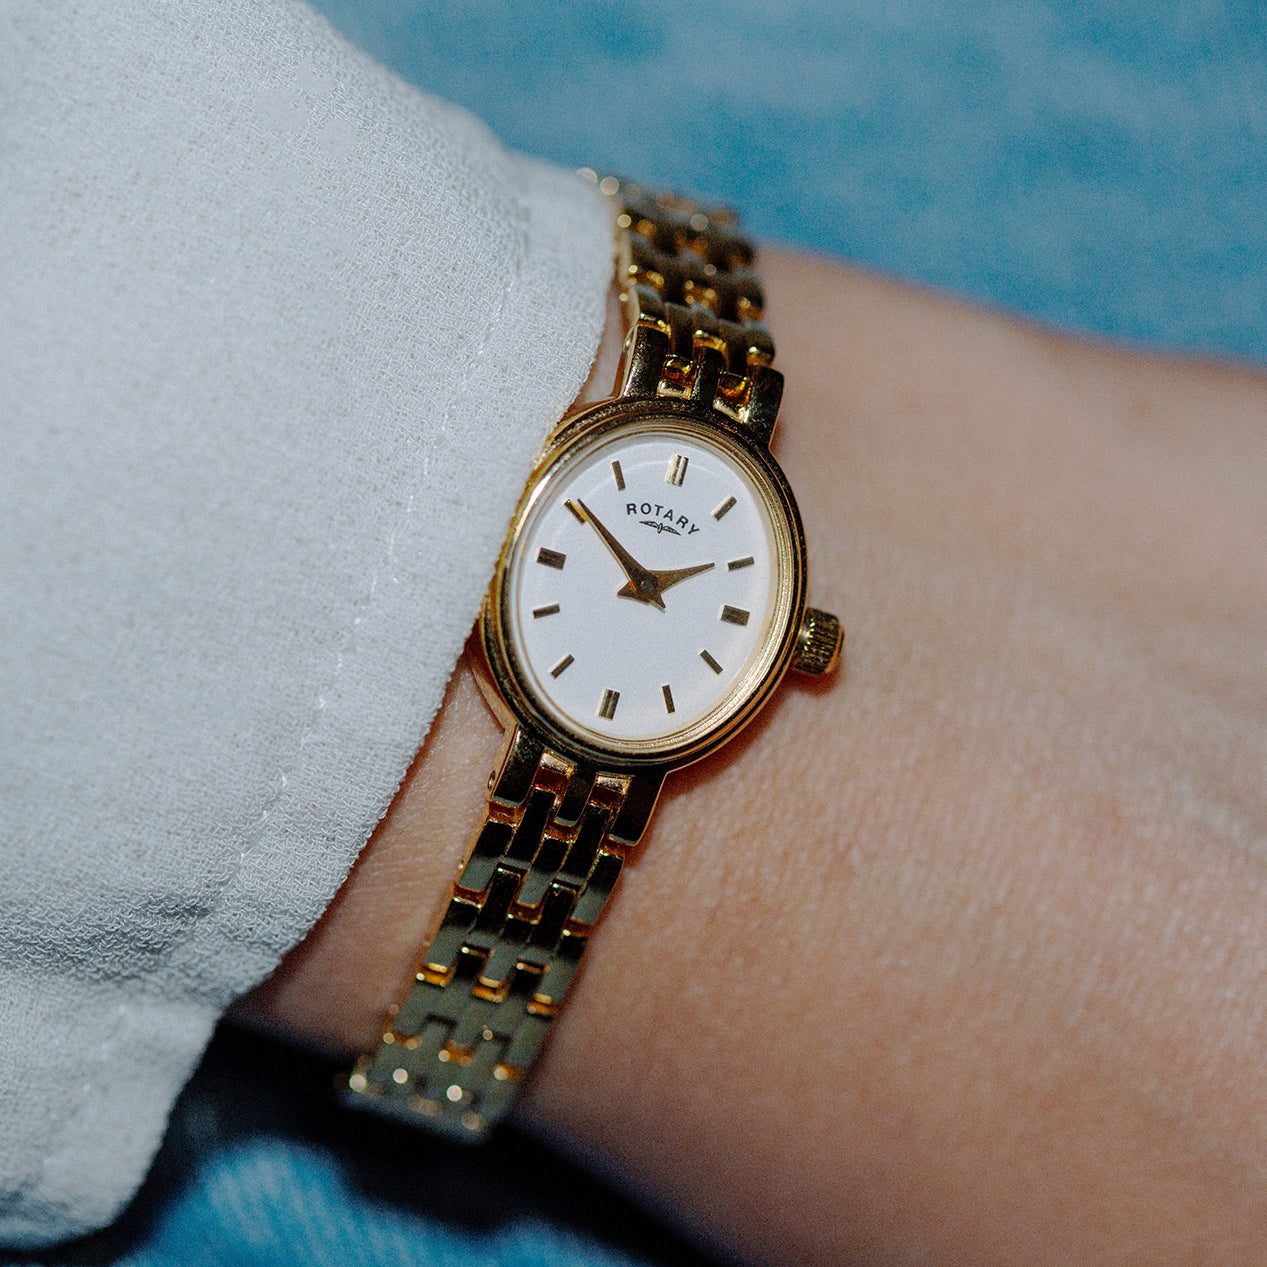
(562, 664)
(732, 615)
(607, 709)
(723, 508)
(677, 469)
(746, 562)
(708, 660)
(538, 612)
(551, 558)
(620, 477)
(668, 698)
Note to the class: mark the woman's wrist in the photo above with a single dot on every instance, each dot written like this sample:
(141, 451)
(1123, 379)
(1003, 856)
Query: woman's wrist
(976, 932)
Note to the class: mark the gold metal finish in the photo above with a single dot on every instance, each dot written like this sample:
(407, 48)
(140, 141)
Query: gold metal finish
(540, 872)
(818, 644)
(694, 309)
(564, 810)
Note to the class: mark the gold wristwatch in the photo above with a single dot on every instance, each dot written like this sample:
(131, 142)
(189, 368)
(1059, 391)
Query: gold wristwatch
(649, 598)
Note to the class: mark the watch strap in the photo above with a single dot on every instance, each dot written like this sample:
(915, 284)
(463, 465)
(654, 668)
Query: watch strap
(543, 865)
(693, 309)
(557, 832)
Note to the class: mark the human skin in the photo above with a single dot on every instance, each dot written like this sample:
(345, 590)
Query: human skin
(960, 957)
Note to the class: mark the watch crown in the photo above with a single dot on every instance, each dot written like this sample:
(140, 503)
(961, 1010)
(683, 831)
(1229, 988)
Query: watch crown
(818, 644)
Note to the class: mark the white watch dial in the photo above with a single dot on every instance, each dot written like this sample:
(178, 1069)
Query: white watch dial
(644, 594)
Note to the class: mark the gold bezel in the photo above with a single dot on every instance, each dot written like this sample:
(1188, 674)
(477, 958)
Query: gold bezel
(508, 688)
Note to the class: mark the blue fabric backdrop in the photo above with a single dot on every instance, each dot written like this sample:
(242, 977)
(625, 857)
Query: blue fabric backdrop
(1098, 166)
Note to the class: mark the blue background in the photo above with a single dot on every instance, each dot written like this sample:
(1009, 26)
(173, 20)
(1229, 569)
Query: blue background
(1096, 166)
(1099, 166)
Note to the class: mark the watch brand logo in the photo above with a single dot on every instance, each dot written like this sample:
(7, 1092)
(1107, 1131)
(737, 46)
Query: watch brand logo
(665, 519)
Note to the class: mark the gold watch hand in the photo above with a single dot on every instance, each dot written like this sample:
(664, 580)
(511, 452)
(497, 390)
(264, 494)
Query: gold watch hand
(672, 577)
(642, 584)
(668, 577)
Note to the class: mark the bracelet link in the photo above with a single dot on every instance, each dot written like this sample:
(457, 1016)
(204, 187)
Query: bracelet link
(538, 878)
(557, 832)
(696, 304)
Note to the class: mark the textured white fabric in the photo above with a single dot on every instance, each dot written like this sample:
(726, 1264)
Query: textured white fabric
(265, 314)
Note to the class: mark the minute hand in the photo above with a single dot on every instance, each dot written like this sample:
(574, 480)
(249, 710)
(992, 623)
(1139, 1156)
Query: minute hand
(642, 584)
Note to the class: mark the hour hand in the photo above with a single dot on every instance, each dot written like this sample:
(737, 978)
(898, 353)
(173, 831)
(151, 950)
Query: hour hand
(674, 575)
(641, 583)
(668, 577)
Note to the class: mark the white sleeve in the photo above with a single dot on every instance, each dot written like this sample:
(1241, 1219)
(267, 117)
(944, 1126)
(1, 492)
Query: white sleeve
(279, 337)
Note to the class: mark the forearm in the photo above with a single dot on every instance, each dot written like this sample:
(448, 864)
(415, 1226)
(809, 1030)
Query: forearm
(962, 955)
